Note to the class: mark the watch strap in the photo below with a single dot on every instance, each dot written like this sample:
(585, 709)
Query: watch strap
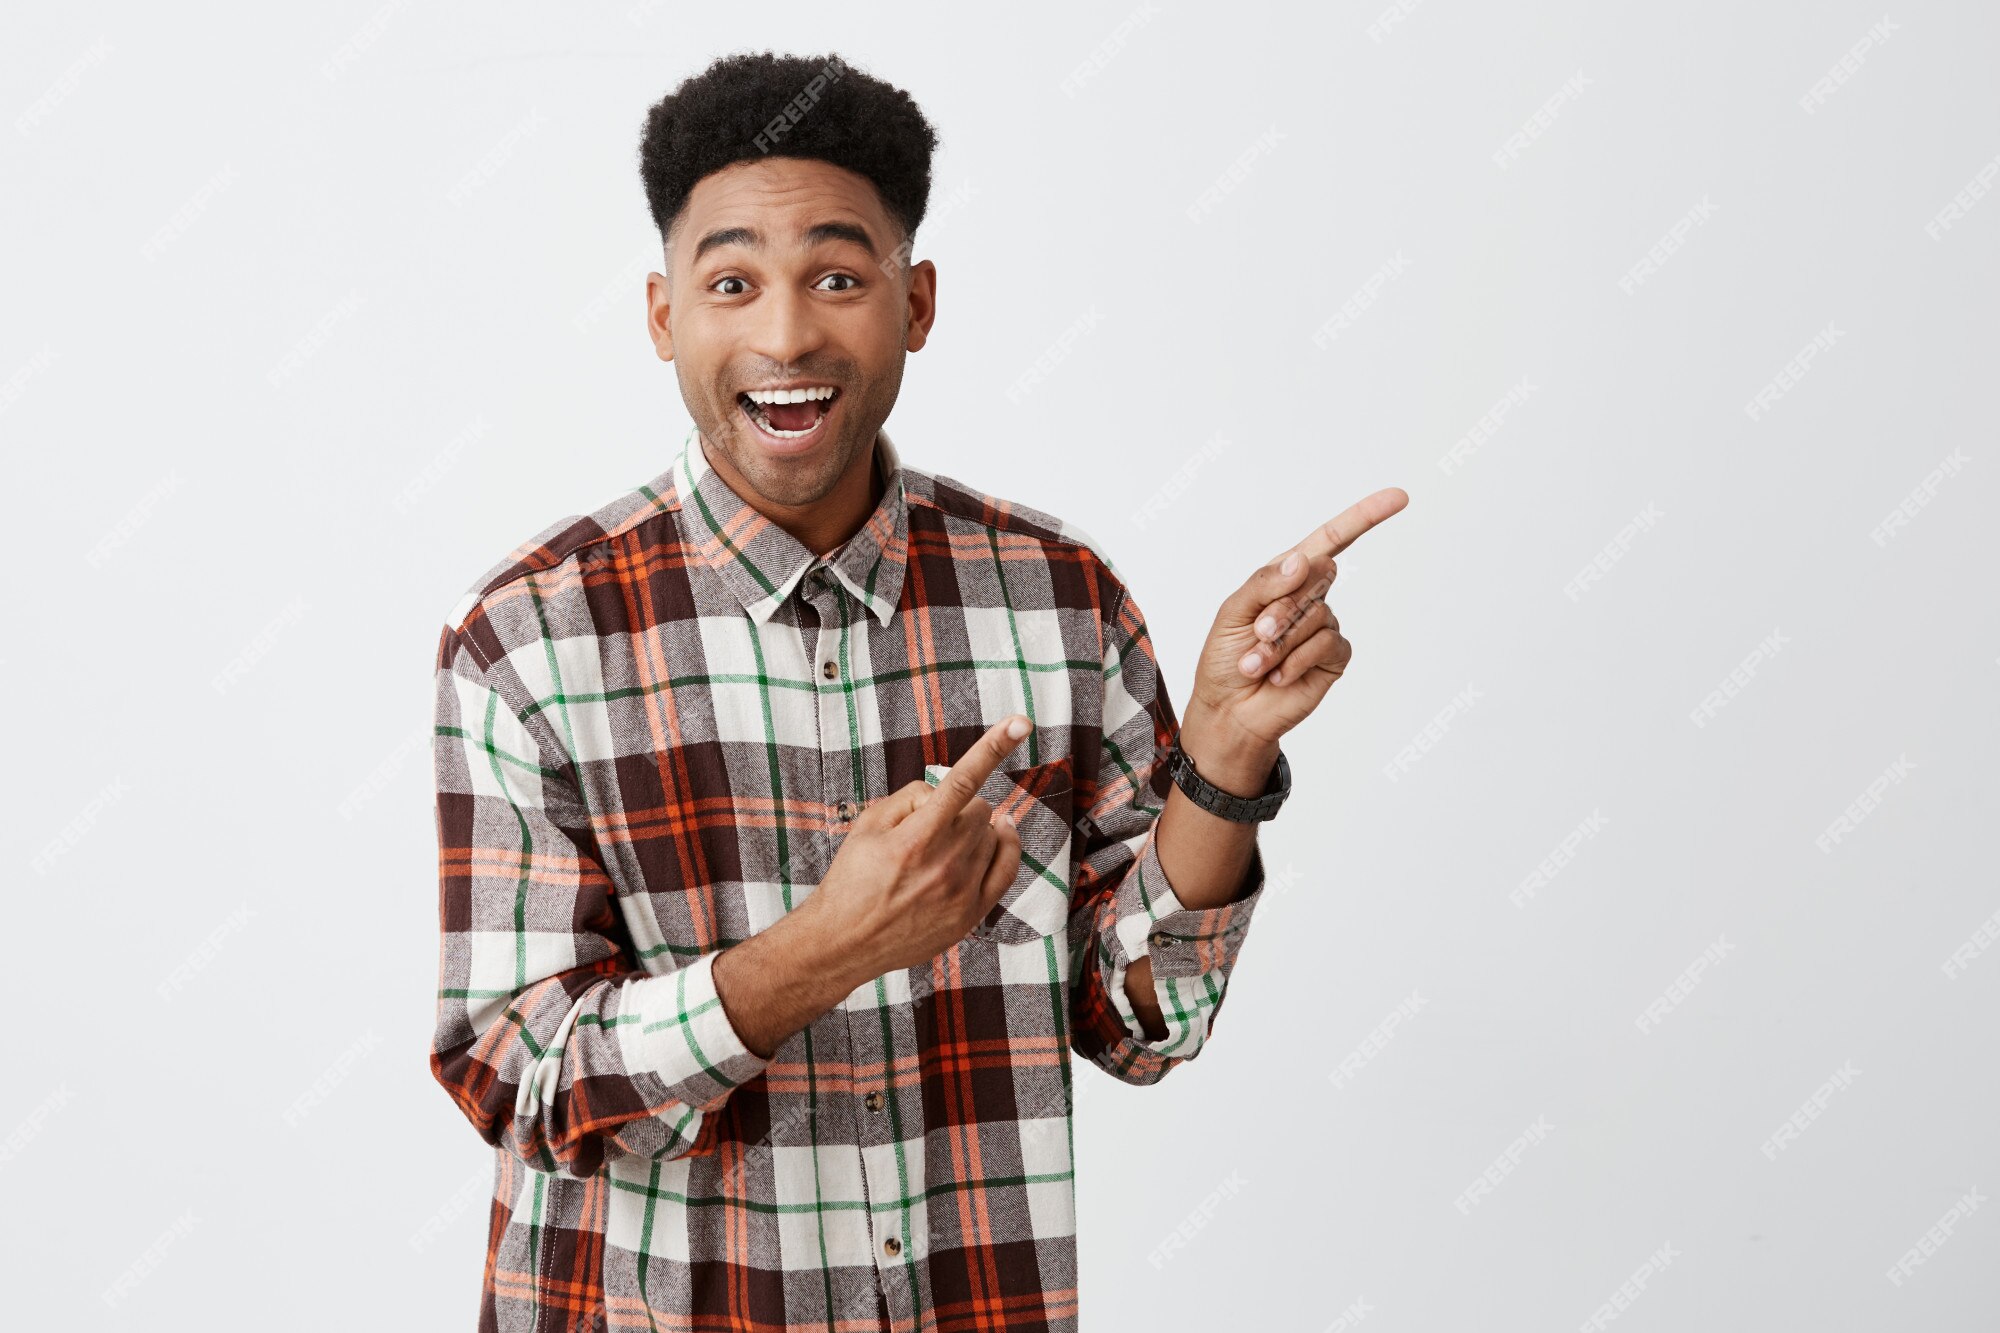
(1230, 806)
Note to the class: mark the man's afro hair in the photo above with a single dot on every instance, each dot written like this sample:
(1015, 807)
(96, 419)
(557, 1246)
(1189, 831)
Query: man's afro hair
(744, 108)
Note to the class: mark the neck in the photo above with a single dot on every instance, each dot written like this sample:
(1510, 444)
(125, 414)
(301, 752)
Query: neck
(825, 524)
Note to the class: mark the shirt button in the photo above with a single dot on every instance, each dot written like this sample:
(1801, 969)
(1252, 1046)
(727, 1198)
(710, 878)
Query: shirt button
(892, 1246)
(829, 668)
(874, 1101)
(845, 810)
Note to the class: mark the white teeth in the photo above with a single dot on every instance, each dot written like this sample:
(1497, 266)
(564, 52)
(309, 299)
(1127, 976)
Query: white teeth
(813, 394)
(759, 398)
(764, 424)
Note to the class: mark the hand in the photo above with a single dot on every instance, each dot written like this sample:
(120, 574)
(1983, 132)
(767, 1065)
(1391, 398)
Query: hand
(1276, 647)
(922, 866)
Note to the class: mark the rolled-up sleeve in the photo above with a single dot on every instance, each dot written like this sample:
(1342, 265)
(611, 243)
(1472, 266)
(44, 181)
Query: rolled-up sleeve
(1123, 906)
(549, 1038)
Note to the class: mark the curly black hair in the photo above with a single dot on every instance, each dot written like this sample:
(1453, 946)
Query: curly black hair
(744, 108)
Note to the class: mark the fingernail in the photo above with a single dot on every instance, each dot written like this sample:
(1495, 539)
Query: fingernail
(1291, 564)
(1267, 626)
(1018, 728)
(1250, 662)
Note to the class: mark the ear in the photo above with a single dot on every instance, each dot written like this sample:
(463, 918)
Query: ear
(923, 304)
(659, 326)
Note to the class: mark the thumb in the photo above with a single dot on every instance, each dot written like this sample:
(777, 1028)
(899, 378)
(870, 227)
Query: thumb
(894, 808)
(1000, 871)
(1271, 581)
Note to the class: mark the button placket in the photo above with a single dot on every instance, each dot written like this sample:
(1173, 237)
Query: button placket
(819, 595)
(881, 1180)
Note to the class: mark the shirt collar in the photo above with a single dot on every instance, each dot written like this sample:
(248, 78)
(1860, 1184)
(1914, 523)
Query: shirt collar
(762, 562)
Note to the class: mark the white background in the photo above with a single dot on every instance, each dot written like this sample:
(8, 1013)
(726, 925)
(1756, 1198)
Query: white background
(313, 313)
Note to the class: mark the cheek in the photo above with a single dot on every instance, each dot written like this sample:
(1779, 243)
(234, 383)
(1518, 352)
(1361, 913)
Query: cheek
(877, 333)
(701, 343)
(882, 363)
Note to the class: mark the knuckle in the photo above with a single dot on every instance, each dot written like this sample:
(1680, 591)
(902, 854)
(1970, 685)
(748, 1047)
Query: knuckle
(1301, 616)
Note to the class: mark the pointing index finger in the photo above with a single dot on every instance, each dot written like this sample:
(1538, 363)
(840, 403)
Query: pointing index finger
(1339, 532)
(964, 779)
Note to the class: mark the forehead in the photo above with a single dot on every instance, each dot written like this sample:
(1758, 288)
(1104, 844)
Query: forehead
(780, 198)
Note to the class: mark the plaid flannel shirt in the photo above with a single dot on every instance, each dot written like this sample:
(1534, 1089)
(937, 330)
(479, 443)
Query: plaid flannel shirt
(653, 725)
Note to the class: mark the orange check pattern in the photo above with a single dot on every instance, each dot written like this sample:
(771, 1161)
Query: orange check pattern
(653, 726)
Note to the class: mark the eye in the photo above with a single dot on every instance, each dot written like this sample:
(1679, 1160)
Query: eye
(847, 278)
(719, 281)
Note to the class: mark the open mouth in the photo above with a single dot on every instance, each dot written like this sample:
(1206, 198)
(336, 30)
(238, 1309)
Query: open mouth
(789, 415)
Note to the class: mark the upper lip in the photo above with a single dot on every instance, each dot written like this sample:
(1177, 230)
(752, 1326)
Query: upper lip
(792, 384)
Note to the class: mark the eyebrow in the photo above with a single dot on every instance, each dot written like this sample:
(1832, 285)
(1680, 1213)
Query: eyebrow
(753, 239)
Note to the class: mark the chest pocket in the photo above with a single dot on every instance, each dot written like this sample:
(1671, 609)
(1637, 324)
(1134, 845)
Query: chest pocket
(1038, 798)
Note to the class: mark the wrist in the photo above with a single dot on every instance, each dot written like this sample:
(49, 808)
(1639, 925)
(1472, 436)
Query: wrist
(1227, 756)
(837, 948)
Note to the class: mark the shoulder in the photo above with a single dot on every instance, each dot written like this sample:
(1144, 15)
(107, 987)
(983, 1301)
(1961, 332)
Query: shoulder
(509, 605)
(1015, 528)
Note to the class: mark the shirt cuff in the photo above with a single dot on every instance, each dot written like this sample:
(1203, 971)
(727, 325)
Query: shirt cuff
(673, 1027)
(1192, 949)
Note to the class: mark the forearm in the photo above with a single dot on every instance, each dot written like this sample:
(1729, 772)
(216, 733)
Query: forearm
(778, 981)
(1206, 857)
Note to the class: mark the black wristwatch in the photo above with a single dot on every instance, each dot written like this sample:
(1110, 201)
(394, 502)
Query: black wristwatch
(1240, 809)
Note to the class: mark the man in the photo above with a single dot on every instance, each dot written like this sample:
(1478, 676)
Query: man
(803, 812)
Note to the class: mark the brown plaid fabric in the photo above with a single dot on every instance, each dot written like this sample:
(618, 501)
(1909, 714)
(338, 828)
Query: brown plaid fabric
(653, 726)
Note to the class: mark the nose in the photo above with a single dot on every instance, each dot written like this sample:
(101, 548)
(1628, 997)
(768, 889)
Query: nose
(787, 328)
